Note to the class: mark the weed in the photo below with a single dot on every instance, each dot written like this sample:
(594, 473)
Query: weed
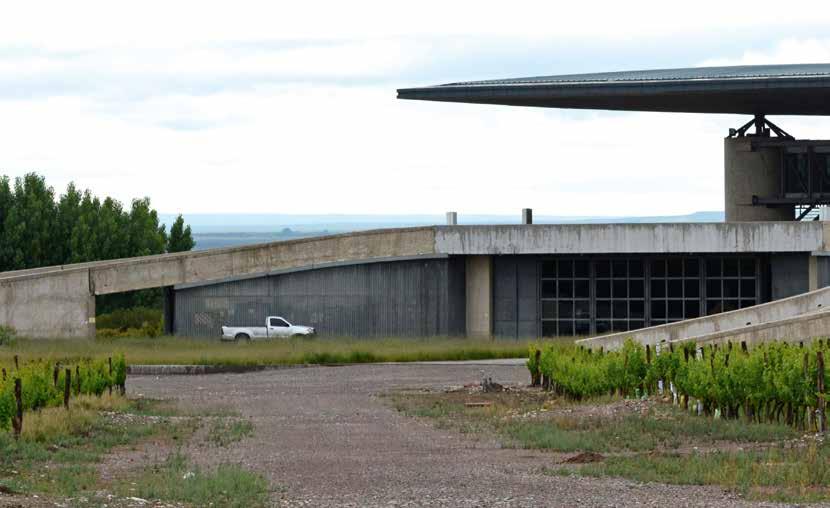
(224, 431)
(782, 474)
(664, 427)
(58, 448)
(160, 407)
(176, 479)
(7, 335)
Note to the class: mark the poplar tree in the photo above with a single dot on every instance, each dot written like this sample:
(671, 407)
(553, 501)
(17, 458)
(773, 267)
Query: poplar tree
(180, 239)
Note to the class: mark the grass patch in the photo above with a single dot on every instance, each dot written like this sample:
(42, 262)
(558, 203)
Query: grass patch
(58, 450)
(159, 407)
(778, 473)
(223, 431)
(664, 427)
(183, 351)
(640, 446)
(177, 480)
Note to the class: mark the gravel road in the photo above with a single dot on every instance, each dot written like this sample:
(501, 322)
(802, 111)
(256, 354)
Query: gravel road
(324, 437)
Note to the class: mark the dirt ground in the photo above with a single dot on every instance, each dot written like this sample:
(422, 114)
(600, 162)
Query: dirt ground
(325, 437)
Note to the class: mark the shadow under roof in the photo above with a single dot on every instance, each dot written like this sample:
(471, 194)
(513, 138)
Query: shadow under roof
(802, 89)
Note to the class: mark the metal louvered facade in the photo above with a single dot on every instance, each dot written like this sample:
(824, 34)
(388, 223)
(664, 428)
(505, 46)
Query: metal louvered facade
(396, 298)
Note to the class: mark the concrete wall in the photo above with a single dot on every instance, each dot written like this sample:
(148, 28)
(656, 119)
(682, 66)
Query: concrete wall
(417, 297)
(727, 321)
(750, 172)
(56, 306)
(479, 296)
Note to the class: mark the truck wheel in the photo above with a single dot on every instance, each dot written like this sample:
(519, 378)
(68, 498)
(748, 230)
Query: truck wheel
(243, 336)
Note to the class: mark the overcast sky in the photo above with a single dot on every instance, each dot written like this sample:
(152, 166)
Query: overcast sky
(289, 107)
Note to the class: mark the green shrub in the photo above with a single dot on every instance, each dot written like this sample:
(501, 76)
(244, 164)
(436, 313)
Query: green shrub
(7, 335)
(136, 318)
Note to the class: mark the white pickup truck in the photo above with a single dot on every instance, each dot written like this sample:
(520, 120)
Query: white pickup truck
(275, 327)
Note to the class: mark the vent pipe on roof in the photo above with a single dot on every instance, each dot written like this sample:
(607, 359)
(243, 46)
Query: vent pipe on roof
(452, 218)
(527, 216)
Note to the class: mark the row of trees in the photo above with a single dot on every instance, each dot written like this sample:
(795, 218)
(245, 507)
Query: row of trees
(37, 229)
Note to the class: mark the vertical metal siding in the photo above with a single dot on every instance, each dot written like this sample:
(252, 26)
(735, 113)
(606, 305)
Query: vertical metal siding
(403, 298)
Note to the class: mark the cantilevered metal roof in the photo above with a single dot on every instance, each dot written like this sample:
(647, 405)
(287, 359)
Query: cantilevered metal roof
(758, 89)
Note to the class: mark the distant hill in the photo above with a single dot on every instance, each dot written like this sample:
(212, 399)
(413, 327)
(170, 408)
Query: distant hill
(226, 230)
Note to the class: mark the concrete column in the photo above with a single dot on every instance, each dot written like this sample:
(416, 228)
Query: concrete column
(479, 289)
(527, 216)
(169, 310)
(452, 218)
(812, 273)
(90, 319)
(750, 172)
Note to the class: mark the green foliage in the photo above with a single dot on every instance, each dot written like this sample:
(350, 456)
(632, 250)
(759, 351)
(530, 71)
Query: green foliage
(39, 390)
(177, 480)
(180, 239)
(38, 230)
(225, 431)
(788, 474)
(7, 335)
(771, 382)
(29, 224)
(123, 319)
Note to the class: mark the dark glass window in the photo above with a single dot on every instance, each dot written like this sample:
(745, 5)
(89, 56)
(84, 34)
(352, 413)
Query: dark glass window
(675, 291)
(731, 283)
(795, 173)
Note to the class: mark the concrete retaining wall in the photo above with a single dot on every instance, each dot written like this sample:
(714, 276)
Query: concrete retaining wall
(59, 305)
(726, 322)
(795, 329)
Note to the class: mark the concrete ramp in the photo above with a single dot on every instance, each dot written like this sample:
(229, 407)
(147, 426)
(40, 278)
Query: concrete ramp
(793, 330)
(795, 318)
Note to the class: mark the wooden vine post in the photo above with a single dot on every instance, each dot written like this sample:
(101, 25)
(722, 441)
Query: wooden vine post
(78, 379)
(17, 419)
(66, 387)
(805, 368)
(822, 403)
(109, 360)
(55, 375)
(16, 364)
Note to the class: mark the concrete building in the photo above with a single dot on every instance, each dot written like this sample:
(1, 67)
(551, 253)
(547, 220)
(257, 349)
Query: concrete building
(668, 281)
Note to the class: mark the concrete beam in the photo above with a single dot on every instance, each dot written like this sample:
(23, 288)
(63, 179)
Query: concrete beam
(216, 264)
(479, 289)
(631, 238)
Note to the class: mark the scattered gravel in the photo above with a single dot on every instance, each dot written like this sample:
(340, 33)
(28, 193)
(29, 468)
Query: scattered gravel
(323, 437)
